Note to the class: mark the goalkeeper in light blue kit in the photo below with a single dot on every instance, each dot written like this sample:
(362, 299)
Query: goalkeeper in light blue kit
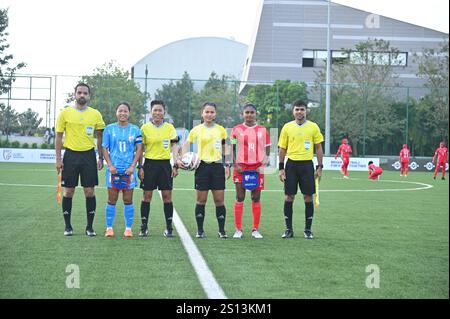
(122, 148)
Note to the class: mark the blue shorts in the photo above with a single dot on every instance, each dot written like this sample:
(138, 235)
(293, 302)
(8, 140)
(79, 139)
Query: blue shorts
(130, 183)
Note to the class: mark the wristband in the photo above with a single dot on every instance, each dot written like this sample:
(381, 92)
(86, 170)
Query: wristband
(280, 165)
(139, 166)
(319, 166)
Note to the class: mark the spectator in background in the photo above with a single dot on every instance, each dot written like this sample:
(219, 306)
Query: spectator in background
(51, 138)
(47, 135)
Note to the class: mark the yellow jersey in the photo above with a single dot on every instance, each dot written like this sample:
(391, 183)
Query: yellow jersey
(209, 141)
(79, 127)
(299, 140)
(157, 140)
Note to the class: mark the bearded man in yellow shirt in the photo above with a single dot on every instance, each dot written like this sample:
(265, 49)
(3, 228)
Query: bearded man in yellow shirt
(80, 124)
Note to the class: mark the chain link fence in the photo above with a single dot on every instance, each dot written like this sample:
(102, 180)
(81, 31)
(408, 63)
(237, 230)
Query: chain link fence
(376, 120)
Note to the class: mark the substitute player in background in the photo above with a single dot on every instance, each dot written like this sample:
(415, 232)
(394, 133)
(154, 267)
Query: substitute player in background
(374, 171)
(213, 170)
(159, 138)
(441, 155)
(345, 150)
(299, 139)
(122, 148)
(251, 146)
(80, 124)
(404, 160)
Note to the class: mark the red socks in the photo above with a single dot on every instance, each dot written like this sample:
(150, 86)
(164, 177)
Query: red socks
(256, 212)
(238, 210)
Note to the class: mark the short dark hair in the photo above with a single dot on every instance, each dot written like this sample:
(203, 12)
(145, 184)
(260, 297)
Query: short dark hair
(83, 84)
(209, 104)
(124, 103)
(249, 104)
(370, 162)
(157, 102)
(299, 103)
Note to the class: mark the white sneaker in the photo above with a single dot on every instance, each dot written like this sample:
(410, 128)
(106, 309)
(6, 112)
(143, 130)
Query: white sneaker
(256, 234)
(346, 177)
(238, 234)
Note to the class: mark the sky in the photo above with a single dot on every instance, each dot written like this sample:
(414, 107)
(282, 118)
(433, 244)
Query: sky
(74, 37)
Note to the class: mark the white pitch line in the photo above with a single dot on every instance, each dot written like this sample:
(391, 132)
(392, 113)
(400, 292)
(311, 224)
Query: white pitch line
(204, 274)
(37, 185)
(423, 186)
(27, 170)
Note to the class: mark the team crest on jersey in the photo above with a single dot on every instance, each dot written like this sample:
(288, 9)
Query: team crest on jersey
(260, 134)
(131, 138)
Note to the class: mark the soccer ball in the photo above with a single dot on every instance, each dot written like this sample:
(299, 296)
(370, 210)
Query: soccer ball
(190, 161)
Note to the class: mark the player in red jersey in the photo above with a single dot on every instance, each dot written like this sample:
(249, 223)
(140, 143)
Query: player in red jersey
(374, 171)
(441, 155)
(404, 160)
(251, 146)
(345, 150)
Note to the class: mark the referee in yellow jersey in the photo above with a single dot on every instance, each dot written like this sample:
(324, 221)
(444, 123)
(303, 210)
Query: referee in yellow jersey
(211, 174)
(80, 124)
(298, 141)
(158, 138)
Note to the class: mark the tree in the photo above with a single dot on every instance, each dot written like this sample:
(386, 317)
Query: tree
(178, 99)
(29, 121)
(111, 85)
(222, 91)
(433, 66)
(361, 95)
(8, 119)
(274, 101)
(6, 72)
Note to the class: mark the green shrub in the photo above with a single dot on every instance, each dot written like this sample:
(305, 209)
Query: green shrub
(52, 146)
(25, 145)
(44, 145)
(6, 144)
(34, 145)
(15, 144)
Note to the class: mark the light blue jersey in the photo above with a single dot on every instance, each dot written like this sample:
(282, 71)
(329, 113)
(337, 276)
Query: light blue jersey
(121, 143)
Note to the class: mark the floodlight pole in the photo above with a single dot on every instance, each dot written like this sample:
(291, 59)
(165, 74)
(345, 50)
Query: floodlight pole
(327, 89)
(146, 74)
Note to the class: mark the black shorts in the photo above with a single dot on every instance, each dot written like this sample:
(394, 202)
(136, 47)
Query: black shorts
(157, 174)
(210, 176)
(299, 173)
(82, 164)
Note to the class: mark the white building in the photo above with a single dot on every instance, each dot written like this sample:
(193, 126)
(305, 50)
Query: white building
(290, 40)
(199, 57)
